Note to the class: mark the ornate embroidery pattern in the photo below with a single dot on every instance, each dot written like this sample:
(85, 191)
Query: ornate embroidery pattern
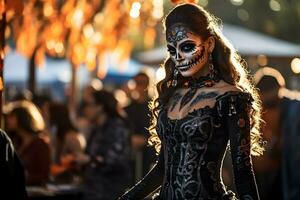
(190, 141)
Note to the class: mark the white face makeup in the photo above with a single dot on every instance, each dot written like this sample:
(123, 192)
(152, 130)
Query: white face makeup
(187, 50)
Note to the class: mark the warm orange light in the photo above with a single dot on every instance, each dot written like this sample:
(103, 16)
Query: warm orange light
(59, 48)
(91, 59)
(2, 54)
(102, 67)
(40, 57)
(262, 60)
(78, 54)
(98, 19)
(149, 37)
(48, 9)
(295, 65)
(50, 44)
(88, 30)
(2, 7)
(97, 38)
(135, 10)
(158, 9)
(57, 28)
(77, 18)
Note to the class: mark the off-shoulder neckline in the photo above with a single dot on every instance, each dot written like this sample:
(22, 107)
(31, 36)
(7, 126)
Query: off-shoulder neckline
(198, 110)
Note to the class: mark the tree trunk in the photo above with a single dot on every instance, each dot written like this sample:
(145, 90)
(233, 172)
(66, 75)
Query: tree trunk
(2, 54)
(73, 88)
(32, 74)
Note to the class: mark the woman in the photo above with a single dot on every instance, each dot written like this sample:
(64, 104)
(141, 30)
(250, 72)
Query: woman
(204, 101)
(68, 143)
(107, 170)
(26, 121)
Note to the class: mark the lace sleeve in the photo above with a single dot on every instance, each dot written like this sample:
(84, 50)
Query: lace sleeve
(237, 118)
(149, 183)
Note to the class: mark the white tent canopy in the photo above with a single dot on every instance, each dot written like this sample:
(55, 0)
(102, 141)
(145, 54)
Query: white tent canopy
(247, 42)
(16, 69)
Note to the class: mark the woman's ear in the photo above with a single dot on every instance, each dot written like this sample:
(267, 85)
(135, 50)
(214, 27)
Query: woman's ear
(211, 43)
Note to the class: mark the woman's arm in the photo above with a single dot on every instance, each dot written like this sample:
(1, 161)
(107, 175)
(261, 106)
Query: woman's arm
(149, 183)
(238, 124)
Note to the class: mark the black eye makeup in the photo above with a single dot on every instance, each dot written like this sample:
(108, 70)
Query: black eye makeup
(171, 50)
(188, 47)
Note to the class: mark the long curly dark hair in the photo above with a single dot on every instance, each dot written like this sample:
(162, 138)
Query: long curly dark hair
(224, 57)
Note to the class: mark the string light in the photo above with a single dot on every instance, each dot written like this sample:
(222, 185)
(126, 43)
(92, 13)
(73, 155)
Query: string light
(88, 31)
(77, 19)
(204, 3)
(158, 10)
(59, 47)
(295, 65)
(48, 10)
(135, 10)
(237, 2)
(274, 5)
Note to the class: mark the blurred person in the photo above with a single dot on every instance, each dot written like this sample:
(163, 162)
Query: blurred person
(204, 102)
(43, 101)
(268, 166)
(12, 181)
(277, 170)
(138, 113)
(24, 118)
(68, 144)
(82, 112)
(107, 162)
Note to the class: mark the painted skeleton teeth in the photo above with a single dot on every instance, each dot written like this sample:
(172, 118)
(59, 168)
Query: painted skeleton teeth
(193, 63)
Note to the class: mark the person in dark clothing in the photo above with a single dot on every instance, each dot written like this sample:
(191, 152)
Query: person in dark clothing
(277, 170)
(204, 102)
(12, 177)
(68, 145)
(138, 113)
(107, 153)
(268, 166)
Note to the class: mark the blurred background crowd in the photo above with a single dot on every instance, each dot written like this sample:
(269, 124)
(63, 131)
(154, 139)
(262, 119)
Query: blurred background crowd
(77, 77)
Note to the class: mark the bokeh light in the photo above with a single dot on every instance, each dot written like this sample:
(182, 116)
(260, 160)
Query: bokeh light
(237, 2)
(262, 60)
(243, 14)
(275, 5)
(295, 65)
(160, 74)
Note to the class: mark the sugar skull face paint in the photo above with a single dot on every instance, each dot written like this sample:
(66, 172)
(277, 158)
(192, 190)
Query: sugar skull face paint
(187, 50)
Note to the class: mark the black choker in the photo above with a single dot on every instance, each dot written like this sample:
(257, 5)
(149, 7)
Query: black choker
(203, 81)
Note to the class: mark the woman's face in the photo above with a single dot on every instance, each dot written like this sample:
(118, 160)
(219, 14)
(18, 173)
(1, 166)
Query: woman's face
(187, 50)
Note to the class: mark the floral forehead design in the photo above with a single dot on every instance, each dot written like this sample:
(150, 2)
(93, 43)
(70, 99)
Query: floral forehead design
(176, 33)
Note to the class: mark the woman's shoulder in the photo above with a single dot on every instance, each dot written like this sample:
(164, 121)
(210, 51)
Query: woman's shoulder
(229, 92)
(233, 100)
(224, 92)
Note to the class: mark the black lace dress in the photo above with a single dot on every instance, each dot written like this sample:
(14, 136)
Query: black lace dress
(192, 151)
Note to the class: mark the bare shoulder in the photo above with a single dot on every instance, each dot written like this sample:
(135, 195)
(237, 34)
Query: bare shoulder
(224, 87)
